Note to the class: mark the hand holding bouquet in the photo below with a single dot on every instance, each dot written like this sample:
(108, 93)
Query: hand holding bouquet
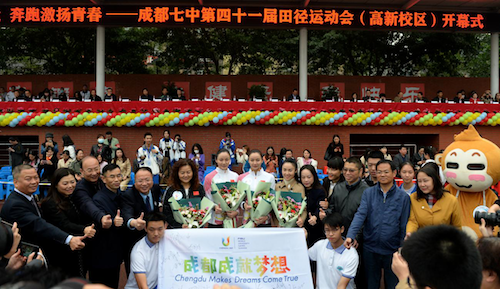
(260, 201)
(288, 206)
(194, 212)
(229, 197)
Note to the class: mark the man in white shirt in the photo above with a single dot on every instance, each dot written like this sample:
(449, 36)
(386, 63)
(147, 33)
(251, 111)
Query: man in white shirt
(336, 266)
(149, 156)
(144, 257)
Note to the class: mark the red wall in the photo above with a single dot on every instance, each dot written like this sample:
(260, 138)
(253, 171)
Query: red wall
(130, 86)
(315, 138)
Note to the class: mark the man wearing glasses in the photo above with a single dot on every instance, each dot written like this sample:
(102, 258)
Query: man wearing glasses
(384, 212)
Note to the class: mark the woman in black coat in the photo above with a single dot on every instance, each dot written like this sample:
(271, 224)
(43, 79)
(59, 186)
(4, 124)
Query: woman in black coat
(183, 184)
(334, 149)
(59, 210)
(315, 193)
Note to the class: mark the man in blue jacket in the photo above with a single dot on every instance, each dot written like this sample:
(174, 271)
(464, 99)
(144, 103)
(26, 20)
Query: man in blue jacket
(383, 212)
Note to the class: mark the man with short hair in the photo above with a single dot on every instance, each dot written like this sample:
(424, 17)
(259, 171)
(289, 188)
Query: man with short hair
(346, 196)
(27, 95)
(107, 251)
(85, 190)
(16, 152)
(439, 97)
(112, 142)
(371, 162)
(139, 200)
(145, 254)
(294, 95)
(84, 93)
(401, 157)
(22, 208)
(10, 95)
(110, 95)
(383, 215)
(452, 261)
(148, 155)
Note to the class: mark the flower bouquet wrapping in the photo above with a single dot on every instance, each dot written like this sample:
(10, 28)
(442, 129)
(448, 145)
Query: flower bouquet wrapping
(194, 212)
(260, 201)
(229, 197)
(288, 206)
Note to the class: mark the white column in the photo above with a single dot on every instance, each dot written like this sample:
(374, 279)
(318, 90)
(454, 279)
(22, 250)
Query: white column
(100, 73)
(494, 64)
(303, 64)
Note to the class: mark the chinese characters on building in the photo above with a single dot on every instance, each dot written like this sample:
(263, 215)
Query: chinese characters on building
(55, 14)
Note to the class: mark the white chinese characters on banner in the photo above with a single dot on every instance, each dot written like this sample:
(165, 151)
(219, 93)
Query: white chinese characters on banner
(256, 258)
(411, 90)
(375, 89)
(217, 92)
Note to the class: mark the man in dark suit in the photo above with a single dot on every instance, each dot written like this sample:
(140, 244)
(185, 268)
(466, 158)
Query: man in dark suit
(22, 208)
(439, 97)
(294, 95)
(137, 201)
(87, 188)
(107, 249)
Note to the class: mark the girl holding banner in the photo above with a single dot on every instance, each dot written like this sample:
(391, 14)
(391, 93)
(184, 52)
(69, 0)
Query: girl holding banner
(222, 174)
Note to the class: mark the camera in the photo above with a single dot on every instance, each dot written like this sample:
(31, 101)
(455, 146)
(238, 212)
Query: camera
(492, 219)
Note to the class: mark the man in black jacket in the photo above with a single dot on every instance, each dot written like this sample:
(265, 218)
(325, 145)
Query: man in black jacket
(138, 201)
(107, 250)
(22, 208)
(16, 152)
(101, 149)
(87, 188)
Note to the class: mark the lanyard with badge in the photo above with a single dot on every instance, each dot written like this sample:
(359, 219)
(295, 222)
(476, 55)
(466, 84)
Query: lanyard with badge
(480, 208)
(148, 158)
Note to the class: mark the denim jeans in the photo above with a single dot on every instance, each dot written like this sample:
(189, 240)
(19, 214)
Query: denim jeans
(374, 263)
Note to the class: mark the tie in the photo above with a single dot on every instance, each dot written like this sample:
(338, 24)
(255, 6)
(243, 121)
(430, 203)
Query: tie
(36, 207)
(148, 205)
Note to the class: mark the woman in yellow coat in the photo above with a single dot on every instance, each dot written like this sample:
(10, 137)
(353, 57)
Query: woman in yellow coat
(430, 204)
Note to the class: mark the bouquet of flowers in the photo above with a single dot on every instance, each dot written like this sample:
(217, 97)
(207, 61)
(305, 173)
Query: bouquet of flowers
(229, 197)
(288, 206)
(194, 212)
(260, 200)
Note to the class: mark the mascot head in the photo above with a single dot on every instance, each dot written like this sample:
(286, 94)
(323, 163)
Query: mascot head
(470, 163)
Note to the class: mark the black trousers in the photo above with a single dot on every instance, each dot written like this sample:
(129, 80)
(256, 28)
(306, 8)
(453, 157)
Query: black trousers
(108, 277)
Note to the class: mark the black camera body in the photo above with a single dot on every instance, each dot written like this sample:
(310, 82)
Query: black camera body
(492, 219)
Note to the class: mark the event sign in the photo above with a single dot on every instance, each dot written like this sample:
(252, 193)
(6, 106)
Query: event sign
(239, 17)
(218, 90)
(411, 90)
(375, 89)
(248, 258)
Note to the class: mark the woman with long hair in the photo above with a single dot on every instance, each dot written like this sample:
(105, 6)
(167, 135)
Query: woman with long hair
(183, 184)
(314, 193)
(69, 145)
(271, 161)
(431, 204)
(59, 210)
(32, 159)
(334, 149)
(124, 163)
(306, 159)
(290, 182)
